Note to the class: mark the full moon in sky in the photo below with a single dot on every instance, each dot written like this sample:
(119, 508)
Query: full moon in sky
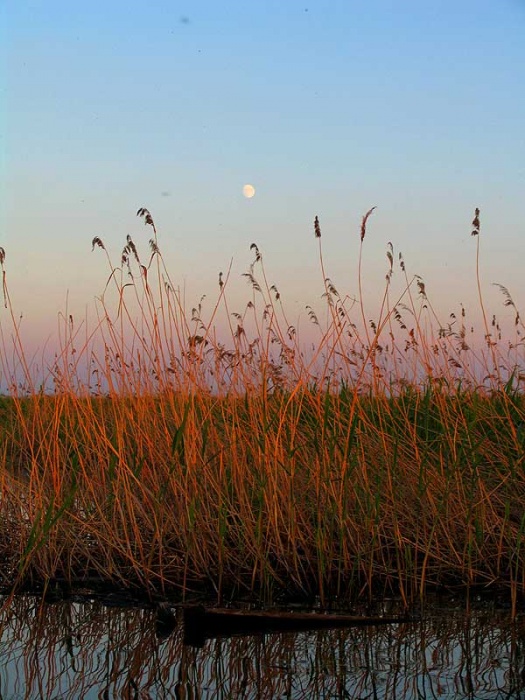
(248, 191)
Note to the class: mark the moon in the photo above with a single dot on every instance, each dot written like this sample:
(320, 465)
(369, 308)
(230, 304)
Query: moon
(248, 191)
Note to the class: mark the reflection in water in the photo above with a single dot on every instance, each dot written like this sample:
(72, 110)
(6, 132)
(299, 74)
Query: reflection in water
(88, 650)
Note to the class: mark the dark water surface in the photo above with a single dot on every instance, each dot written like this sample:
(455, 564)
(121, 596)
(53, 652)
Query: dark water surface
(89, 649)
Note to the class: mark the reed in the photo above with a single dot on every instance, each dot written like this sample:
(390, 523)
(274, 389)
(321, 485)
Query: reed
(389, 459)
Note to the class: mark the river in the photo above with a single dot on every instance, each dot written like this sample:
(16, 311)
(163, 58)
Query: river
(95, 648)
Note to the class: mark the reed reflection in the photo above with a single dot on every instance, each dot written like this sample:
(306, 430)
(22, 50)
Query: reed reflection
(85, 649)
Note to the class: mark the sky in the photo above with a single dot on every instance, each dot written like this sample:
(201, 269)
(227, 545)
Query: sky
(327, 108)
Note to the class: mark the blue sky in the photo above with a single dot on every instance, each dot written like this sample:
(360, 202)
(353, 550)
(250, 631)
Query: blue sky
(327, 108)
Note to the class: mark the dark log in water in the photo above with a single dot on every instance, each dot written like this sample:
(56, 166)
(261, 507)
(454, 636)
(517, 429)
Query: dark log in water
(202, 623)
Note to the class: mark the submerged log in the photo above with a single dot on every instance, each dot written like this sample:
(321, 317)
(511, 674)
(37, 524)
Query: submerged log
(201, 623)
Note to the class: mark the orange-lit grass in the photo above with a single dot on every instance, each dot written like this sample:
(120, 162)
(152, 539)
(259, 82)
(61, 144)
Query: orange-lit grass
(388, 459)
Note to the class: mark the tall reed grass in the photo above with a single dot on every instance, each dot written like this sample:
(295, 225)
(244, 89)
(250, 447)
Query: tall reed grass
(388, 459)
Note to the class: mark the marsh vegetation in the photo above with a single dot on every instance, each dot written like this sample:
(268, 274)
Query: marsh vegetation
(388, 459)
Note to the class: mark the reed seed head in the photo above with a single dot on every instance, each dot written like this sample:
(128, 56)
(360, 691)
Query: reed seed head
(145, 214)
(317, 227)
(363, 223)
(97, 242)
(475, 223)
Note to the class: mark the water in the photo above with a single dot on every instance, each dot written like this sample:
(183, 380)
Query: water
(87, 649)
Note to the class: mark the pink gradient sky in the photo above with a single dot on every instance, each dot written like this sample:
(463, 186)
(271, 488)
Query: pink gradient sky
(327, 108)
